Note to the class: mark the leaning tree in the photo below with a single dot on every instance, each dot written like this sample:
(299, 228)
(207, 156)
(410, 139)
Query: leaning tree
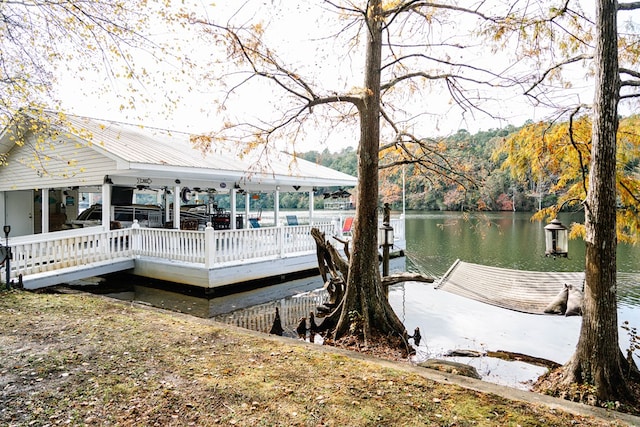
(417, 59)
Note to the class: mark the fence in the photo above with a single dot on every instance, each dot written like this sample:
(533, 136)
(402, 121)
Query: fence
(49, 252)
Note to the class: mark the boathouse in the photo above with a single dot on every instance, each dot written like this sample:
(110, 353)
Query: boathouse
(51, 161)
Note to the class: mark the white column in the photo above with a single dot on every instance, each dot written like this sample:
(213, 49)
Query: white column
(176, 207)
(247, 205)
(311, 201)
(106, 206)
(276, 207)
(232, 201)
(44, 200)
(209, 246)
(3, 207)
(167, 211)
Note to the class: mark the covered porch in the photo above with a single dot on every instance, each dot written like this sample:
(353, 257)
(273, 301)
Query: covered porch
(113, 161)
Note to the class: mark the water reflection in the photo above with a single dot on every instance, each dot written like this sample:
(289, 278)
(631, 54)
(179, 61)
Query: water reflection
(447, 321)
(227, 308)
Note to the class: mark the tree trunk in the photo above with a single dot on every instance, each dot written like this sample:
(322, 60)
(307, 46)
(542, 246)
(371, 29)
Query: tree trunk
(364, 296)
(598, 360)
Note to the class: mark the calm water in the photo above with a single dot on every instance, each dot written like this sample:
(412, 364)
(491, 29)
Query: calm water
(509, 240)
(502, 239)
(447, 322)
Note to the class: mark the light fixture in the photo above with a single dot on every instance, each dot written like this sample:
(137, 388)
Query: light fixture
(556, 239)
(107, 180)
(177, 181)
(296, 187)
(8, 256)
(385, 235)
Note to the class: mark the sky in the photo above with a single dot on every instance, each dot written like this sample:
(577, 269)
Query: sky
(298, 31)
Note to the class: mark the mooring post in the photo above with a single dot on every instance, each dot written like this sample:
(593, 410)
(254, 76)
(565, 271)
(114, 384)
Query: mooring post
(209, 246)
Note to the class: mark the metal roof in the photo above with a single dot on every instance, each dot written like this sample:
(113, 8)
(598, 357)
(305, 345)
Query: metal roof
(161, 154)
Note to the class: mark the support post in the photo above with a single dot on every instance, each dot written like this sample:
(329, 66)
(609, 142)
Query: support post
(385, 260)
(136, 238)
(8, 256)
(247, 208)
(311, 201)
(276, 208)
(209, 246)
(232, 197)
(106, 203)
(44, 205)
(176, 207)
(7, 264)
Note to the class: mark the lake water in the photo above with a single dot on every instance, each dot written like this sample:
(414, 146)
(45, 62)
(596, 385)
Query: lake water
(448, 322)
(501, 239)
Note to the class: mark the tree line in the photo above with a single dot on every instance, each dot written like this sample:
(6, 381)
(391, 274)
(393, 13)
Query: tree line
(527, 168)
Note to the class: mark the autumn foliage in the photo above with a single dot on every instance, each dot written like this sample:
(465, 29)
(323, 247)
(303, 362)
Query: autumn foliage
(556, 156)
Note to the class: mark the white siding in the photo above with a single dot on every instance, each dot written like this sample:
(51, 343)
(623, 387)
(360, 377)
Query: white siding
(61, 164)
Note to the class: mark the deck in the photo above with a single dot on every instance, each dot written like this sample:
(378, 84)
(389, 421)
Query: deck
(208, 259)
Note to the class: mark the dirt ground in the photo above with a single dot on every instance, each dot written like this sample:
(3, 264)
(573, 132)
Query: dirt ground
(79, 359)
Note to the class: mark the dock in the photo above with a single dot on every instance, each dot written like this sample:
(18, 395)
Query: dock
(207, 259)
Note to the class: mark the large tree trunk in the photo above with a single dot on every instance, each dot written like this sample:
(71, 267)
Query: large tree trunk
(598, 360)
(364, 297)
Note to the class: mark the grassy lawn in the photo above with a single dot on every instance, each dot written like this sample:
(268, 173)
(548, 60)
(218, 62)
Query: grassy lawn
(78, 359)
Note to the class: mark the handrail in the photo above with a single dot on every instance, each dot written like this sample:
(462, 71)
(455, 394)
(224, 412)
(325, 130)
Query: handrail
(68, 250)
(72, 248)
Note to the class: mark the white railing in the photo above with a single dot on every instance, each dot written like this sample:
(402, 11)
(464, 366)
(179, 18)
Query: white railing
(398, 228)
(179, 245)
(215, 247)
(53, 251)
(70, 248)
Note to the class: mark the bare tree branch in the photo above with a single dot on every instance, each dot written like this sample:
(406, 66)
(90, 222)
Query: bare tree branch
(583, 168)
(629, 6)
(558, 65)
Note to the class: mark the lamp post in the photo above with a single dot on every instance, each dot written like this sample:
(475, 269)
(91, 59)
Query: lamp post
(385, 239)
(7, 255)
(556, 239)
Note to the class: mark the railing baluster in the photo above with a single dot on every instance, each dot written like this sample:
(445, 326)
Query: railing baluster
(41, 253)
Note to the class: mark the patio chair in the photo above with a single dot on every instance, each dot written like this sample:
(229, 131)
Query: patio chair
(346, 227)
(189, 224)
(292, 220)
(255, 223)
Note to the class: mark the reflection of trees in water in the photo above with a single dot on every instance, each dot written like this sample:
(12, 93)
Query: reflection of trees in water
(260, 317)
(629, 288)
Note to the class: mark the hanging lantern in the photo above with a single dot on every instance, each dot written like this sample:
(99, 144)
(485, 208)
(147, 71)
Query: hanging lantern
(556, 239)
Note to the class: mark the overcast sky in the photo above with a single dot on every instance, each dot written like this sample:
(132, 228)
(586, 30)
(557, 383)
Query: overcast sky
(292, 30)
